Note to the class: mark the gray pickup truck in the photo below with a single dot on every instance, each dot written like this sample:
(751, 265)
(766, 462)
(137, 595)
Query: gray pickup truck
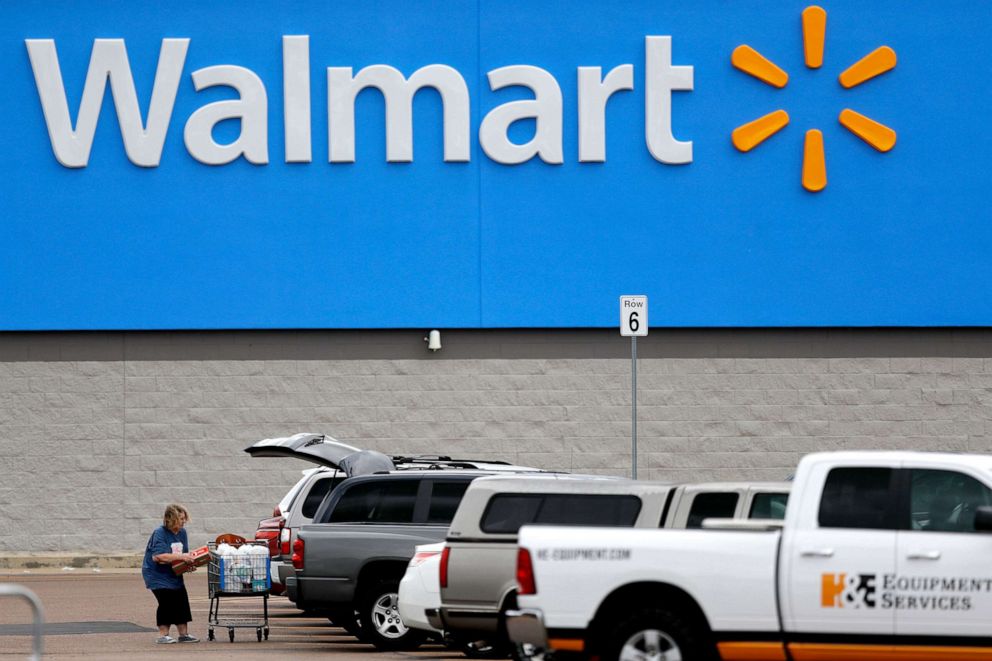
(349, 562)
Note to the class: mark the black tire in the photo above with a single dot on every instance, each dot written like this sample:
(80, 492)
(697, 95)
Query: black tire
(659, 628)
(348, 620)
(230, 634)
(258, 632)
(210, 634)
(379, 618)
(266, 633)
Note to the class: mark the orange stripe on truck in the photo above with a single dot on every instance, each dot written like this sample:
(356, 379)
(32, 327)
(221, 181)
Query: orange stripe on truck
(837, 652)
(566, 644)
(751, 651)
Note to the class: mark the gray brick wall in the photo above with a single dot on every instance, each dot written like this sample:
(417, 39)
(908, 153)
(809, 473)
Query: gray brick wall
(99, 430)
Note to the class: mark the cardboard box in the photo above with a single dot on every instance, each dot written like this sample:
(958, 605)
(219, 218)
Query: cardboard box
(201, 556)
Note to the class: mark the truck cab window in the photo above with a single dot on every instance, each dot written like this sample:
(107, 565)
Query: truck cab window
(445, 498)
(712, 506)
(768, 506)
(945, 501)
(858, 497)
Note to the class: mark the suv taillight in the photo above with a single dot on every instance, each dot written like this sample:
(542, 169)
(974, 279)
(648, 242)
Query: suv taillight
(269, 537)
(284, 541)
(420, 557)
(525, 573)
(298, 554)
(443, 570)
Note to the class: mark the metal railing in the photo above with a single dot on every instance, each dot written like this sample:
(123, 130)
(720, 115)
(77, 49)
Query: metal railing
(37, 613)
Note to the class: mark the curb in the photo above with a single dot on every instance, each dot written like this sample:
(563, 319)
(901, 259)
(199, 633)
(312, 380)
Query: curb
(69, 562)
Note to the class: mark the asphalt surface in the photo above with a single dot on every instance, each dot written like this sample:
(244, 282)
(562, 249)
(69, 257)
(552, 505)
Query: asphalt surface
(110, 615)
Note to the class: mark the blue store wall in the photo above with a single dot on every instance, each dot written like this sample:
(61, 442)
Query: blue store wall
(897, 239)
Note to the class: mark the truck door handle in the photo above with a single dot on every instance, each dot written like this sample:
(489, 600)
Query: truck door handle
(817, 553)
(924, 555)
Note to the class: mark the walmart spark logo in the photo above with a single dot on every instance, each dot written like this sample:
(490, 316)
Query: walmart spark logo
(752, 134)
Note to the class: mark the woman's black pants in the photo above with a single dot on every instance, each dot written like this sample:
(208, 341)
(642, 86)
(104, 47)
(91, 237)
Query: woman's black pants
(173, 607)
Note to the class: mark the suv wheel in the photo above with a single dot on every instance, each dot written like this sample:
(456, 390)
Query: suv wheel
(379, 616)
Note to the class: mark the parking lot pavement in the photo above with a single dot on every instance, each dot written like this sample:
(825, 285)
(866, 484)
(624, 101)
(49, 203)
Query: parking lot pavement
(81, 605)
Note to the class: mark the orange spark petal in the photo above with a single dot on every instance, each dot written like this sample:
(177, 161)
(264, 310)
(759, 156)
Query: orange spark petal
(814, 162)
(814, 34)
(879, 136)
(752, 62)
(748, 136)
(873, 64)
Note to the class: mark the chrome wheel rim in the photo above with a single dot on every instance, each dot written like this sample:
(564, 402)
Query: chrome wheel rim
(650, 645)
(386, 616)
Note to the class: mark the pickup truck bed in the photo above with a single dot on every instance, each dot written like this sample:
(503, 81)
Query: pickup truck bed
(742, 592)
(340, 555)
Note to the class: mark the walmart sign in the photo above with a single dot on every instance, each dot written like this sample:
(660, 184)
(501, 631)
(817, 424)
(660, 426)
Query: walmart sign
(493, 164)
(144, 139)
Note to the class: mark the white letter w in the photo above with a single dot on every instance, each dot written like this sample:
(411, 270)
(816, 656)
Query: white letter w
(108, 60)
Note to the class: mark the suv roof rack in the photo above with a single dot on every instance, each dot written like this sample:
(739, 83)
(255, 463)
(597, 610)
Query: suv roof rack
(442, 459)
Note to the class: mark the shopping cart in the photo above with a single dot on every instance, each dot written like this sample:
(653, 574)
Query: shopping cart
(239, 576)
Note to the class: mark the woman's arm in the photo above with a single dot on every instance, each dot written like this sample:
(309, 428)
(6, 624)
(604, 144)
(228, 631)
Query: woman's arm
(166, 558)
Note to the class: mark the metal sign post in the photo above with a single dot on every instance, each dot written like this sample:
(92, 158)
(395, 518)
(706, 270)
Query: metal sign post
(633, 324)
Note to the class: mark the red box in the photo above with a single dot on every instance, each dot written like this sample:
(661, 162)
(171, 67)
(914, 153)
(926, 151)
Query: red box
(201, 556)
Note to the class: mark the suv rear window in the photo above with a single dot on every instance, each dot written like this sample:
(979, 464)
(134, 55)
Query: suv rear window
(318, 490)
(505, 513)
(382, 501)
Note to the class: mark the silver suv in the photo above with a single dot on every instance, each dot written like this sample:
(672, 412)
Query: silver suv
(479, 560)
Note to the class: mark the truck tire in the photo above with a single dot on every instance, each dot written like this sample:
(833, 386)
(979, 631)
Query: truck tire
(379, 617)
(653, 633)
(347, 619)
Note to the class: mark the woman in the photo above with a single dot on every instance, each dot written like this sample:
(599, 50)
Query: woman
(166, 545)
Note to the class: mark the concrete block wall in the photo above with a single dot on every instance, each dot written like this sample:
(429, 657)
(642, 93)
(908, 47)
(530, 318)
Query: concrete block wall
(98, 431)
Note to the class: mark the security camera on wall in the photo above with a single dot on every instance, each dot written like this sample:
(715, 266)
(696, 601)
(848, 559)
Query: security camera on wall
(433, 340)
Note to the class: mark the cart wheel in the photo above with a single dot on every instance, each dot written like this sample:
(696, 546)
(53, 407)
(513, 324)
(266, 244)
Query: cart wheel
(210, 635)
(258, 632)
(266, 633)
(230, 634)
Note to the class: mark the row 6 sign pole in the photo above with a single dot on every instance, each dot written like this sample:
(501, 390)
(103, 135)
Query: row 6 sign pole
(633, 324)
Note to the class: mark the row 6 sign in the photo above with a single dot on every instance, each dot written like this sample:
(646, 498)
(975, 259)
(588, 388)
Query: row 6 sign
(144, 137)
(633, 316)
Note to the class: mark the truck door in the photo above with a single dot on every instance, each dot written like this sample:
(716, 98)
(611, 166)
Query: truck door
(943, 582)
(835, 556)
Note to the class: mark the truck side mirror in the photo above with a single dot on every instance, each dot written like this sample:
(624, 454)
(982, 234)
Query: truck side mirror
(983, 518)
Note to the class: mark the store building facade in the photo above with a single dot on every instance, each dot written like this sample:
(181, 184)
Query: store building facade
(222, 224)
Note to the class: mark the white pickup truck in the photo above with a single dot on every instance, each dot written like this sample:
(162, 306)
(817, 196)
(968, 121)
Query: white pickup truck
(882, 556)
